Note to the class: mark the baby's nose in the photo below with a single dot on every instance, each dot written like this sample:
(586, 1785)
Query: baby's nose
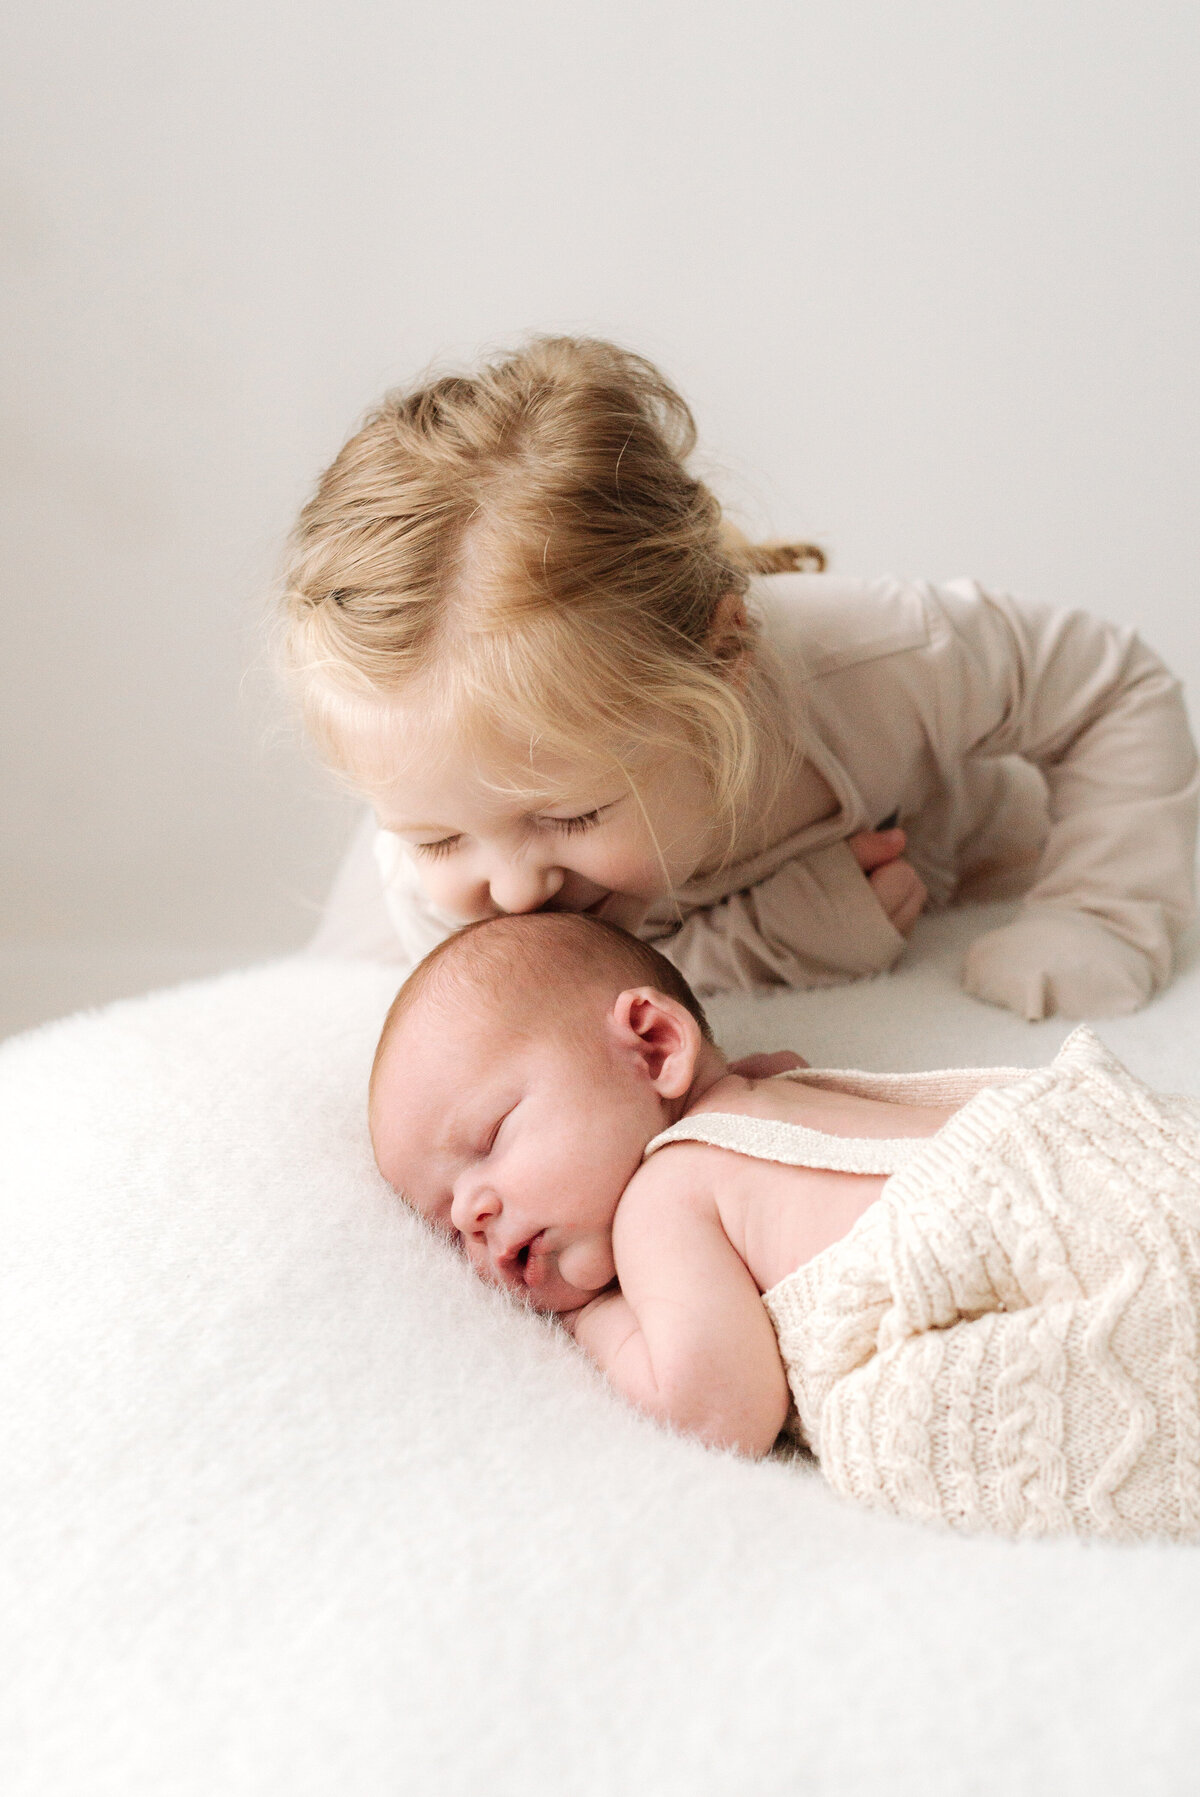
(474, 1202)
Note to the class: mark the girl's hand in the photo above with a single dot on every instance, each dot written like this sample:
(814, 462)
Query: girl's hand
(896, 884)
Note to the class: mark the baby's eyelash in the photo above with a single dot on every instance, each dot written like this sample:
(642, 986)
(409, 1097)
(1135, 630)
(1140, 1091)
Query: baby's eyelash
(490, 1143)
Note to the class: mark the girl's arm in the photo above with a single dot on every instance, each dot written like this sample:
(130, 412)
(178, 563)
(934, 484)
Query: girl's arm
(955, 676)
(355, 924)
(377, 908)
(1091, 706)
(687, 1337)
(815, 921)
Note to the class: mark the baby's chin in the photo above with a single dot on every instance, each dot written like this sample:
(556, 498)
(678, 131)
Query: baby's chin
(556, 1296)
(569, 1279)
(565, 1301)
(584, 1266)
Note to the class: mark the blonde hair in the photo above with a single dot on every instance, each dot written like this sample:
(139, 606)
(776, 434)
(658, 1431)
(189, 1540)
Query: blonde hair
(527, 544)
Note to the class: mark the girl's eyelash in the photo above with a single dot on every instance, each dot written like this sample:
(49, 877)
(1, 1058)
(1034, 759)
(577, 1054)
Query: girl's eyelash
(564, 826)
(571, 826)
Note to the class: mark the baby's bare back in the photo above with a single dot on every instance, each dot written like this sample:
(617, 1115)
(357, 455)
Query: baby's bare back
(778, 1216)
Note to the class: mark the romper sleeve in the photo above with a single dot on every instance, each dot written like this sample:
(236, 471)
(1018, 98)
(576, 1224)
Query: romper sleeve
(1102, 718)
(376, 908)
(813, 922)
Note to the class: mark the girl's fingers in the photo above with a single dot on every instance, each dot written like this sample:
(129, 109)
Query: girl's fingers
(876, 848)
(901, 891)
(907, 915)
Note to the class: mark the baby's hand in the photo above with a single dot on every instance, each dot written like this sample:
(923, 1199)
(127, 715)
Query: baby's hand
(762, 1066)
(571, 1319)
(897, 885)
(1051, 959)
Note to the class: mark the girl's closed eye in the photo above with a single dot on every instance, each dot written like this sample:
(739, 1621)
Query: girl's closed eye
(562, 826)
(572, 826)
(582, 820)
(434, 850)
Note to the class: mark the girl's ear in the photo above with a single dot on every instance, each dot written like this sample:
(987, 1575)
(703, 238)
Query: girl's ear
(661, 1035)
(729, 637)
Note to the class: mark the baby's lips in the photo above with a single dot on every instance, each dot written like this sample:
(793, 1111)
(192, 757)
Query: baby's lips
(515, 1261)
(536, 1270)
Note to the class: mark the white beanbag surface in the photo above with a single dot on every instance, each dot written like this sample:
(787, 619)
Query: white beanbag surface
(292, 1506)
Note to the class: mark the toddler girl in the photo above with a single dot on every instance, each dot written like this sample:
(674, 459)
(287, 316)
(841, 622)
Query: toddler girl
(520, 628)
(974, 1295)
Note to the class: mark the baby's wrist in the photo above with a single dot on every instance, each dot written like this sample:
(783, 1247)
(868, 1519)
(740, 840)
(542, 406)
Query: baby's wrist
(570, 1319)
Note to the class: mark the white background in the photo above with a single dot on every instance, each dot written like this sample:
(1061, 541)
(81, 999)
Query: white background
(928, 274)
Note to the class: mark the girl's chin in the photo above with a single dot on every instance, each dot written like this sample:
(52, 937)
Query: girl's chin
(621, 908)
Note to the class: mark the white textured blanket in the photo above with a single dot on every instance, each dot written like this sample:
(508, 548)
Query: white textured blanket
(292, 1506)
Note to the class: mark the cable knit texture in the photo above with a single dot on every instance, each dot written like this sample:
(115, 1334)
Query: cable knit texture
(1008, 1338)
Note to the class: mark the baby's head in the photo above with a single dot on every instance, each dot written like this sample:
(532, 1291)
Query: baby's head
(518, 561)
(522, 1070)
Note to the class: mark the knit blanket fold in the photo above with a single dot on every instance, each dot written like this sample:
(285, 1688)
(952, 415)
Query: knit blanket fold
(1008, 1339)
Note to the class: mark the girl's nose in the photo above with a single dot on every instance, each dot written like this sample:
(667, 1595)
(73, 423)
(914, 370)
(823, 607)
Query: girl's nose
(517, 886)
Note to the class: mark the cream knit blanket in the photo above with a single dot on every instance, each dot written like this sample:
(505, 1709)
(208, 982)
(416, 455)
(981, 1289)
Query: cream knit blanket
(1008, 1338)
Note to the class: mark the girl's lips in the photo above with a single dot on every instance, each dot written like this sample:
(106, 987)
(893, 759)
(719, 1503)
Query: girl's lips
(591, 910)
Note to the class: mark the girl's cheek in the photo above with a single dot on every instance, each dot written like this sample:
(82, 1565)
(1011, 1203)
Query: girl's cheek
(440, 884)
(623, 867)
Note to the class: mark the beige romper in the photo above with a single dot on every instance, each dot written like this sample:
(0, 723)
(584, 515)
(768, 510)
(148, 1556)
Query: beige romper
(1010, 1337)
(1022, 748)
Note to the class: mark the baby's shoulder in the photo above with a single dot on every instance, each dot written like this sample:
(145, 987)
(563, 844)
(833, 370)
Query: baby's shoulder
(670, 1190)
(687, 1169)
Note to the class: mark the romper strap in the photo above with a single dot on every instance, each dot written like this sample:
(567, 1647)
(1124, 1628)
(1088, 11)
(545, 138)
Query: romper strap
(768, 1139)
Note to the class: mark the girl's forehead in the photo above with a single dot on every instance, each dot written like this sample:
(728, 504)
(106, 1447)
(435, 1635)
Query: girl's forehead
(439, 775)
(424, 738)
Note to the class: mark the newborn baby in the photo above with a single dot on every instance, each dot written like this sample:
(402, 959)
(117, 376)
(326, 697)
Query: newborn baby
(973, 1295)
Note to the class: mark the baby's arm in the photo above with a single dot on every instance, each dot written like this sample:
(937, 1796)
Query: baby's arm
(687, 1338)
(1104, 720)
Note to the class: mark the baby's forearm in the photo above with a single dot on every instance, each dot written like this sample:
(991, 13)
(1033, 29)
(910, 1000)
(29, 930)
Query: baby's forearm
(689, 1398)
(608, 1331)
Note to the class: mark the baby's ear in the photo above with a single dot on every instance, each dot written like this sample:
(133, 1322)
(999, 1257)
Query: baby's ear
(661, 1035)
